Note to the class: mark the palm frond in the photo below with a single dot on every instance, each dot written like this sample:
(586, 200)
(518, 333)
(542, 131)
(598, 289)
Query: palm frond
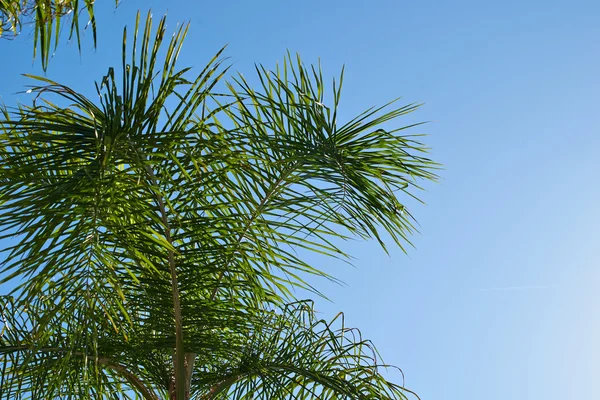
(48, 18)
(305, 180)
(40, 357)
(295, 355)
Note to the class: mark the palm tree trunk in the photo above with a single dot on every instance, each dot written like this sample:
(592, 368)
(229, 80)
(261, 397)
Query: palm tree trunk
(179, 375)
(189, 369)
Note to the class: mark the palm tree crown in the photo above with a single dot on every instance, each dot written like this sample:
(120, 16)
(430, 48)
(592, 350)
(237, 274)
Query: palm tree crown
(154, 233)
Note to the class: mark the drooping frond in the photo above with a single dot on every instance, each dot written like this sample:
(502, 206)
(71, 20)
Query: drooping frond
(286, 353)
(295, 355)
(41, 359)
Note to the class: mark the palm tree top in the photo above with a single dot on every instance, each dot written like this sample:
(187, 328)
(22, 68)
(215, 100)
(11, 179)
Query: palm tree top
(156, 229)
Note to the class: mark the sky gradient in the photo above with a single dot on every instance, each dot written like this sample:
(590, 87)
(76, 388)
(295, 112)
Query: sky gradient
(499, 298)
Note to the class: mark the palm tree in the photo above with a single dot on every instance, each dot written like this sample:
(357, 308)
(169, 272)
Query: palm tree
(154, 236)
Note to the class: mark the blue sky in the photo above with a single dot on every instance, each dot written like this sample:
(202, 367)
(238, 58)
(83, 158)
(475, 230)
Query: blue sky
(499, 299)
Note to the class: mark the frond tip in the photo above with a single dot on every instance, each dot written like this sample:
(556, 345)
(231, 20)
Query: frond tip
(47, 17)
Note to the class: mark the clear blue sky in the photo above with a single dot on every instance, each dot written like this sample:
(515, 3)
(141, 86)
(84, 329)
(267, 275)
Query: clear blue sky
(500, 298)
